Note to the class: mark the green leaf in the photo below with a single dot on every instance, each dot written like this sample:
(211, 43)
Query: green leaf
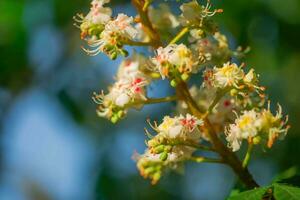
(255, 194)
(295, 181)
(285, 192)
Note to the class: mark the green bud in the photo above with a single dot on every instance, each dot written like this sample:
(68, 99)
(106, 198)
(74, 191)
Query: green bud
(108, 48)
(256, 140)
(185, 77)
(114, 119)
(152, 143)
(150, 170)
(113, 55)
(159, 149)
(168, 148)
(120, 113)
(173, 83)
(124, 52)
(156, 177)
(155, 75)
(233, 92)
(163, 156)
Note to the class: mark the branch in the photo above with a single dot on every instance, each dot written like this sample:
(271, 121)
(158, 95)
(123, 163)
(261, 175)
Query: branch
(227, 155)
(142, 9)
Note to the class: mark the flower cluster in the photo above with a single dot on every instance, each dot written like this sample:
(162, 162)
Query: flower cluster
(129, 89)
(175, 142)
(106, 34)
(175, 61)
(233, 78)
(93, 23)
(256, 126)
(227, 106)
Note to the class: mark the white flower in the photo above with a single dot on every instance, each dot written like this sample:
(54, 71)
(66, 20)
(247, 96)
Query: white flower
(178, 56)
(93, 23)
(134, 66)
(99, 14)
(180, 127)
(222, 40)
(162, 18)
(115, 34)
(246, 126)
(227, 76)
(122, 25)
(126, 90)
(193, 14)
(252, 123)
(141, 34)
(273, 125)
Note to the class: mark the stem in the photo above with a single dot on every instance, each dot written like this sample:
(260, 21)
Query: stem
(179, 35)
(227, 156)
(194, 145)
(200, 159)
(152, 101)
(154, 36)
(160, 100)
(220, 94)
(248, 155)
(147, 4)
(137, 43)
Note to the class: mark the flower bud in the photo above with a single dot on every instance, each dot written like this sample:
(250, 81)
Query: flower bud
(256, 140)
(233, 92)
(173, 83)
(124, 52)
(185, 77)
(113, 55)
(114, 119)
(159, 149)
(156, 177)
(163, 156)
(152, 143)
(120, 114)
(168, 148)
(150, 170)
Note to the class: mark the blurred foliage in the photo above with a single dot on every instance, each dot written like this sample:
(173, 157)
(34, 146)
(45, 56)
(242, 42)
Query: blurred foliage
(270, 27)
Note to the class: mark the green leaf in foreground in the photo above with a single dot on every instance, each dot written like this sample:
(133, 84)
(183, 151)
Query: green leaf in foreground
(285, 192)
(255, 194)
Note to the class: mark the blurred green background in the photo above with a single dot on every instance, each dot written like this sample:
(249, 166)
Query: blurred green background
(53, 146)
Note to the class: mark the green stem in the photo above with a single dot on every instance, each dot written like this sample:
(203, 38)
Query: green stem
(152, 101)
(179, 35)
(147, 4)
(200, 159)
(194, 145)
(160, 100)
(248, 155)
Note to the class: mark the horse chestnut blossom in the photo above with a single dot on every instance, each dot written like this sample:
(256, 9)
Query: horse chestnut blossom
(130, 87)
(93, 23)
(176, 140)
(227, 106)
(175, 60)
(256, 126)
